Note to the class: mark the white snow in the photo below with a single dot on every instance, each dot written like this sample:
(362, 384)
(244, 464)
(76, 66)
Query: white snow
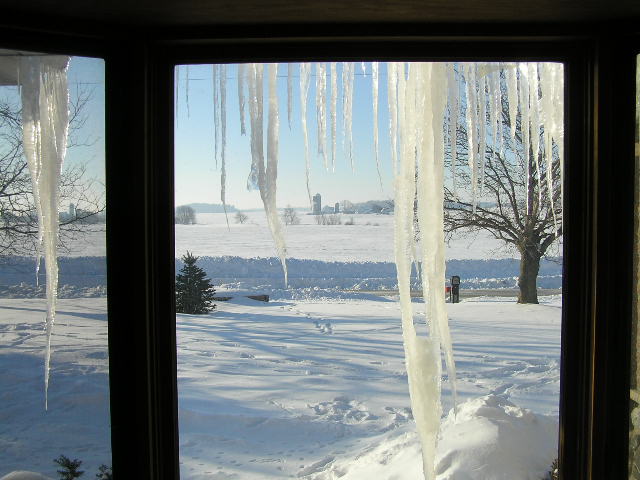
(24, 475)
(315, 388)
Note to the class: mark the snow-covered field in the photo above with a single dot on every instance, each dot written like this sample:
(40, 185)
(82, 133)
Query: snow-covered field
(311, 388)
(370, 239)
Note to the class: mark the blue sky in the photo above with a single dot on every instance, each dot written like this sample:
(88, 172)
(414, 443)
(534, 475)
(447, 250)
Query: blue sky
(87, 74)
(198, 176)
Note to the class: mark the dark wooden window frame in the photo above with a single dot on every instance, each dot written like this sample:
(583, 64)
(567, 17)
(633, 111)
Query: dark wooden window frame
(598, 239)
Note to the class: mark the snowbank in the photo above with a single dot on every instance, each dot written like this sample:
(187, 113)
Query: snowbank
(24, 475)
(493, 439)
(87, 276)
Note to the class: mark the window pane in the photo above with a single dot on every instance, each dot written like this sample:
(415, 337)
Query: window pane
(70, 418)
(308, 379)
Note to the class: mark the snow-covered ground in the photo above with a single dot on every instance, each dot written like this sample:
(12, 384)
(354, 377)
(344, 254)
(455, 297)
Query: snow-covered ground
(312, 387)
(370, 239)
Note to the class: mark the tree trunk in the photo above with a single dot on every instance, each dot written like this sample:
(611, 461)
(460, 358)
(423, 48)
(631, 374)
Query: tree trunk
(529, 267)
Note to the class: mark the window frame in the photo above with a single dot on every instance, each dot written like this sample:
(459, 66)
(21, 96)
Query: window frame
(139, 79)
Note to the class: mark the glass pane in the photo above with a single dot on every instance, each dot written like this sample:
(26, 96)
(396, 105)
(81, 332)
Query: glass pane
(70, 418)
(634, 424)
(306, 377)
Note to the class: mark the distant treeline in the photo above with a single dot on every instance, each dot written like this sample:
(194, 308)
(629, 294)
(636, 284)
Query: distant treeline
(210, 207)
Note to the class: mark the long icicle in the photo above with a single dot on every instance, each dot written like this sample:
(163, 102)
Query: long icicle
(269, 193)
(290, 74)
(186, 91)
(454, 99)
(241, 100)
(374, 91)
(435, 203)
(559, 122)
(512, 97)
(392, 100)
(333, 113)
(523, 91)
(45, 123)
(482, 124)
(177, 99)
(534, 117)
(472, 122)
(305, 71)
(347, 99)
(418, 355)
(223, 139)
(216, 111)
(547, 114)
(321, 111)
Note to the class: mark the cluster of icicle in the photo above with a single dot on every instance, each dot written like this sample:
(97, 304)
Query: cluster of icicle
(45, 120)
(426, 103)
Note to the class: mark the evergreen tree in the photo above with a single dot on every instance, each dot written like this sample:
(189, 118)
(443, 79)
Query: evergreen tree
(194, 292)
(70, 468)
(104, 473)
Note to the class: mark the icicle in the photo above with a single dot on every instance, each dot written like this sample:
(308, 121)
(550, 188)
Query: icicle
(347, 100)
(392, 98)
(482, 100)
(422, 355)
(435, 203)
(512, 97)
(559, 122)
(534, 118)
(494, 99)
(177, 99)
(255, 90)
(524, 125)
(266, 179)
(216, 111)
(45, 121)
(321, 111)
(186, 92)
(374, 88)
(454, 99)
(332, 113)
(421, 103)
(289, 92)
(241, 101)
(497, 102)
(305, 72)
(472, 122)
(223, 135)
(546, 113)
(269, 195)
(364, 68)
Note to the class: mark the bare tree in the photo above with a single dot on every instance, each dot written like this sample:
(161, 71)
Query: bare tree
(515, 205)
(290, 216)
(185, 215)
(241, 217)
(18, 218)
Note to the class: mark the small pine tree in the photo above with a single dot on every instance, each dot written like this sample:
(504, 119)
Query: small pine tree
(194, 292)
(70, 468)
(104, 473)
